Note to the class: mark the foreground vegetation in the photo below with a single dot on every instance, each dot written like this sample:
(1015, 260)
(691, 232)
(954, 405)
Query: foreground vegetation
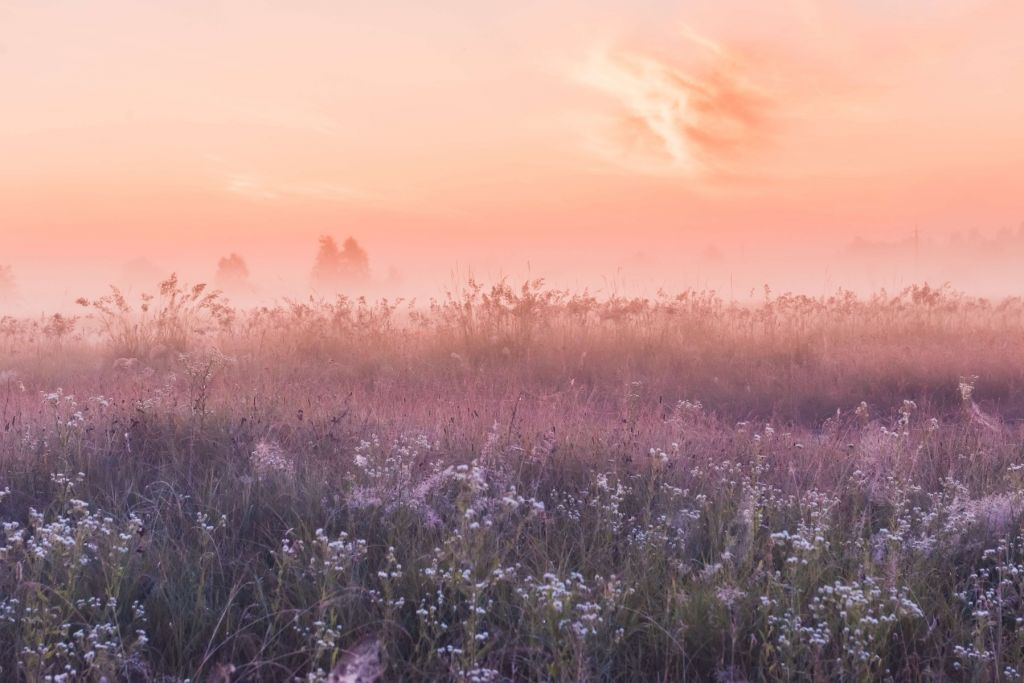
(514, 484)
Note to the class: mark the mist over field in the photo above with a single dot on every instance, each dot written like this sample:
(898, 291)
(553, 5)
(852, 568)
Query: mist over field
(975, 262)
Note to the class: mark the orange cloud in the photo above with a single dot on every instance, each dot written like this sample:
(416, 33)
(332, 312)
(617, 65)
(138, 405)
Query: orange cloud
(673, 117)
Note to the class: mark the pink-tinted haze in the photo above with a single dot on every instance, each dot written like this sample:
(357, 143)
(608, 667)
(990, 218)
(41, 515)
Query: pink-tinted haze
(598, 142)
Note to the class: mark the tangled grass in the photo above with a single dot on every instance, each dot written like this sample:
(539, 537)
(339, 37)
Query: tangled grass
(514, 484)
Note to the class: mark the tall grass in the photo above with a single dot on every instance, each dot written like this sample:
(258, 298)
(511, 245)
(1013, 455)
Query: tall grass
(514, 484)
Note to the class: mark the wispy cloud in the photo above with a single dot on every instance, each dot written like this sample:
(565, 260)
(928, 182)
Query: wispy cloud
(256, 187)
(692, 115)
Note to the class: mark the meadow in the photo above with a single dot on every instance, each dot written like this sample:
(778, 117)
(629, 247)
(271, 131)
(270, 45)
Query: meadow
(514, 483)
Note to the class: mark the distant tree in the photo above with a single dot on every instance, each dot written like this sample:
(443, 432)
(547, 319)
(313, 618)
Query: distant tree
(336, 268)
(232, 273)
(140, 273)
(355, 261)
(327, 265)
(7, 284)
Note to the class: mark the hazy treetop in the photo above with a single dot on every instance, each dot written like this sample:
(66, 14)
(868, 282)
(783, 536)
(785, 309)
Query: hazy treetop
(336, 268)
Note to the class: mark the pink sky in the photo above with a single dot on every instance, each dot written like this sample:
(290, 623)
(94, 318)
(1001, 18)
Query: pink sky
(571, 135)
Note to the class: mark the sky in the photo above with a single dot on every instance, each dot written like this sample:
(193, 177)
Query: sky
(594, 141)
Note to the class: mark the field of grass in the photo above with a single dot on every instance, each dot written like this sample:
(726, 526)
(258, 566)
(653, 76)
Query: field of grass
(514, 484)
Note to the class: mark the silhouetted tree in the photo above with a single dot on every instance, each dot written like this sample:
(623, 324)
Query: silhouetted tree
(335, 268)
(327, 264)
(232, 274)
(355, 261)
